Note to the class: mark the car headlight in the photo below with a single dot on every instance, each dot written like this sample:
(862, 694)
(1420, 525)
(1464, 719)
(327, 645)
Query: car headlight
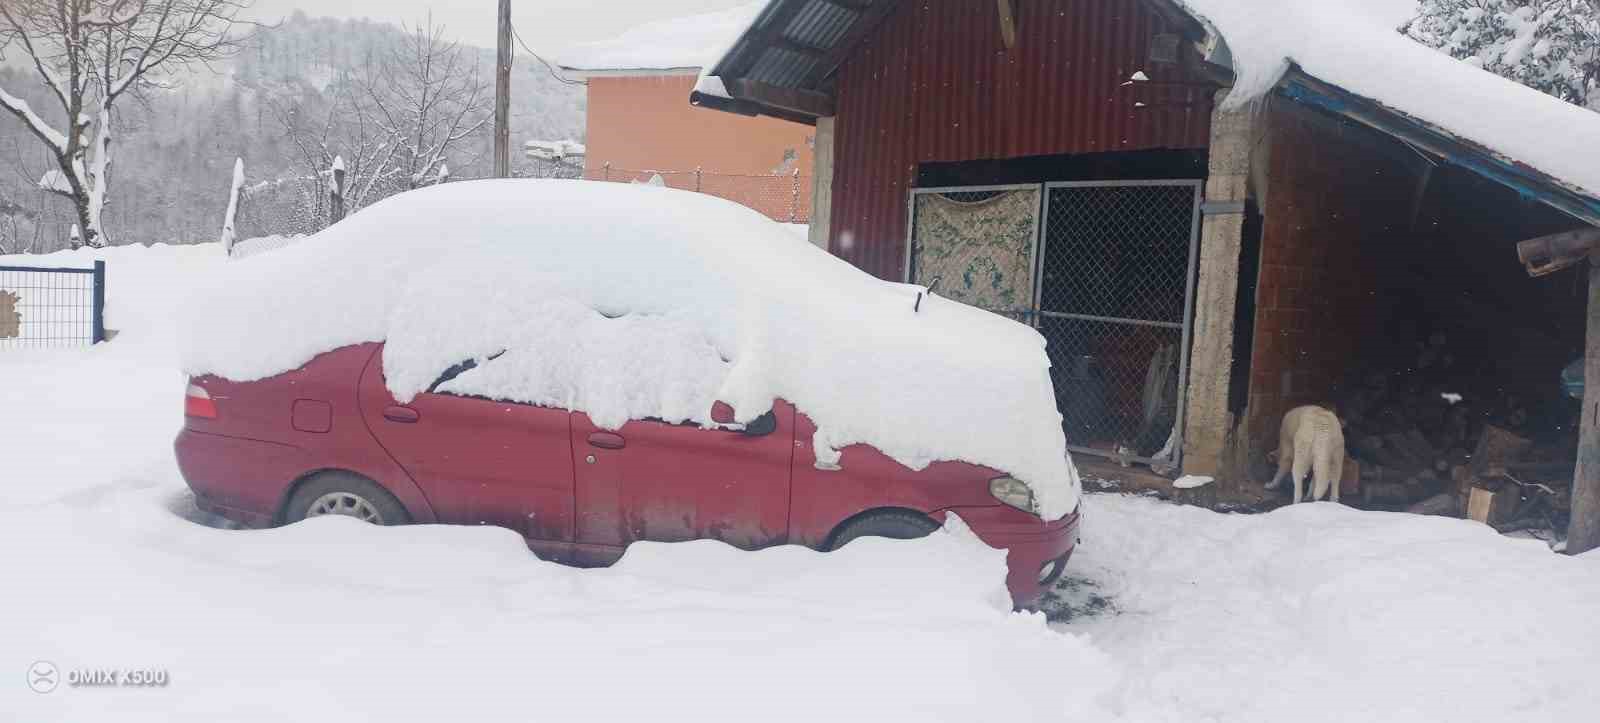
(1014, 493)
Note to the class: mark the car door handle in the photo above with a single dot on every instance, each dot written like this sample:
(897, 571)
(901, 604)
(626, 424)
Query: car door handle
(403, 415)
(607, 440)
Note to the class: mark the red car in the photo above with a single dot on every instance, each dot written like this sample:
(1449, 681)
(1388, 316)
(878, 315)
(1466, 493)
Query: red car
(328, 438)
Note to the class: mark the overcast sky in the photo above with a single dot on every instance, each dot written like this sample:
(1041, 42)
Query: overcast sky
(547, 25)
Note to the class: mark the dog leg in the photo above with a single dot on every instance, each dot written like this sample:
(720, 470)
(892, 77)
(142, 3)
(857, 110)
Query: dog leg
(1300, 465)
(1283, 472)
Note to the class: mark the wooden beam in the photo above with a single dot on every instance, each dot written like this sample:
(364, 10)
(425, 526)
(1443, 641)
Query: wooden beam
(866, 23)
(1583, 531)
(1178, 18)
(1549, 254)
(806, 102)
(1008, 24)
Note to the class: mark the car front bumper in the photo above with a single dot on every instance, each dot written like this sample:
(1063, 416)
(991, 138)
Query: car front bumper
(1036, 551)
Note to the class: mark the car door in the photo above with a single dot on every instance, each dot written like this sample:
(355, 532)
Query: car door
(479, 461)
(664, 482)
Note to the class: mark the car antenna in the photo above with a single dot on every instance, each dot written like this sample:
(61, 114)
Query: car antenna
(929, 290)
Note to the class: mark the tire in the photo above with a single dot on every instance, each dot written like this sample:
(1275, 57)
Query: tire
(347, 494)
(893, 524)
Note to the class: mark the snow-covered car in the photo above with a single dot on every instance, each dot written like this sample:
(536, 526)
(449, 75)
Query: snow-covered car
(593, 365)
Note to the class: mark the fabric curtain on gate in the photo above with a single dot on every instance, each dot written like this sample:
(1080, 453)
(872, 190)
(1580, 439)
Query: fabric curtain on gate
(981, 251)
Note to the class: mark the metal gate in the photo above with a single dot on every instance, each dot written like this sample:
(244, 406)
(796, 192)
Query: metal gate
(1108, 280)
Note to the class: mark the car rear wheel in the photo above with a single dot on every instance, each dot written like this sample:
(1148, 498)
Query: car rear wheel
(894, 524)
(347, 495)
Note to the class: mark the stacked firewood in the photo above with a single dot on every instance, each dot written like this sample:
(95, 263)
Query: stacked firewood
(1424, 441)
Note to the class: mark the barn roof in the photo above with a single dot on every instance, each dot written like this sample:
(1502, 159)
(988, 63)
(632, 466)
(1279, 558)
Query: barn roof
(1347, 58)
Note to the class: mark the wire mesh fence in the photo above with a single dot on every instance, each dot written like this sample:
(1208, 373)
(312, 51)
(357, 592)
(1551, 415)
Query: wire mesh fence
(1116, 268)
(51, 307)
(785, 198)
(1103, 269)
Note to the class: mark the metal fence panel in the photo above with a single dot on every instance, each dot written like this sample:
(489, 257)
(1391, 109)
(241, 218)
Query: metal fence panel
(1116, 303)
(1112, 289)
(51, 307)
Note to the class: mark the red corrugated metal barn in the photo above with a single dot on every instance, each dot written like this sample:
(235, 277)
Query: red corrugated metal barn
(1197, 270)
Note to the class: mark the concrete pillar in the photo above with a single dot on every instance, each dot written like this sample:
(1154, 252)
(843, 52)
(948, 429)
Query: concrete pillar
(822, 183)
(1207, 421)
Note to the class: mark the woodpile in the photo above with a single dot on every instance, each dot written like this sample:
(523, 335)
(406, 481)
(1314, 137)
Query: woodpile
(1428, 447)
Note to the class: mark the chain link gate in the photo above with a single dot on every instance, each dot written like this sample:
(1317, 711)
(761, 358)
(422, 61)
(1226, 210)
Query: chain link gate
(1107, 278)
(1115, 304)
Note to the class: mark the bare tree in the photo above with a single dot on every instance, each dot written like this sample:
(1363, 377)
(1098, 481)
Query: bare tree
(89, 54)
(427, 95)
(345, 129)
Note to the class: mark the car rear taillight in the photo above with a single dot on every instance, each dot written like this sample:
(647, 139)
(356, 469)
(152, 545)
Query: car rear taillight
(197, 403)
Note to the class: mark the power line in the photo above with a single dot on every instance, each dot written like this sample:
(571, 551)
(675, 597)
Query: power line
(542, 61)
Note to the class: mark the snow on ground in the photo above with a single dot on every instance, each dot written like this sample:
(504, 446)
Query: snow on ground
(1311, 613)
(1319, 612)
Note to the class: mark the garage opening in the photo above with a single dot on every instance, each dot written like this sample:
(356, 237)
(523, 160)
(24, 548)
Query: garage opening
(1389, 289)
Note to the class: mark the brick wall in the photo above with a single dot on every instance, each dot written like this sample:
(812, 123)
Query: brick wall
(1337, 204)
(1356, 270)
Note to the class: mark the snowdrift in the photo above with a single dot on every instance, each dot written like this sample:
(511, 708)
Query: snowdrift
(629, 302)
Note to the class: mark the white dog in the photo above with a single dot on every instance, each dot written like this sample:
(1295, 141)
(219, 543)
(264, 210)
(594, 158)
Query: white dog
(1310, 439)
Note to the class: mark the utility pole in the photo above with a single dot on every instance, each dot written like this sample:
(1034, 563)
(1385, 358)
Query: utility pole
(502, 96)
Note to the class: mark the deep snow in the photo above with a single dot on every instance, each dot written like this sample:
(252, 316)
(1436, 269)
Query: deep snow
(631, 302)
(1311, 613)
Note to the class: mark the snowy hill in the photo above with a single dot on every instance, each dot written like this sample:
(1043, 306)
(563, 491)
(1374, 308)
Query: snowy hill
(177, 143)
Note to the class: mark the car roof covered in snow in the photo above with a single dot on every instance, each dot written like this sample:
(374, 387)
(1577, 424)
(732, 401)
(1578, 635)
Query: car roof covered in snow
(635, 302)
(1355, 45)
(680, 44)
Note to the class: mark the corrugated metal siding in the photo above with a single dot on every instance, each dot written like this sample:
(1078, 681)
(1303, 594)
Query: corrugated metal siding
(935, 83)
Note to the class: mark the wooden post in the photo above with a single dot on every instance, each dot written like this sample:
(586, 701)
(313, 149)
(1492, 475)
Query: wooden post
(1583, 531)
(502, 96)
(336, 192)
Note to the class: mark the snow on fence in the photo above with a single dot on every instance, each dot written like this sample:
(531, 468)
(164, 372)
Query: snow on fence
(49, 307)
(784, 197)
(261, 244)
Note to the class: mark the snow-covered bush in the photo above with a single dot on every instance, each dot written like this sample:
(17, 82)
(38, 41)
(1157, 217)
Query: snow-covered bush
(1550, 45)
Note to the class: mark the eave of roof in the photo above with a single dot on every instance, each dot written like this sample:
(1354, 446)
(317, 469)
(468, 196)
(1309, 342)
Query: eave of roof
(1527, 180)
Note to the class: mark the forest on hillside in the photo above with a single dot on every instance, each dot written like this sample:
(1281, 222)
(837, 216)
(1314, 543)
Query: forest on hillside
(287, 102)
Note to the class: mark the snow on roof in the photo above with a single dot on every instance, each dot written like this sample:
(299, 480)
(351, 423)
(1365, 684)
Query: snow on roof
(684, 43)
(1356, 45)
(632, 302)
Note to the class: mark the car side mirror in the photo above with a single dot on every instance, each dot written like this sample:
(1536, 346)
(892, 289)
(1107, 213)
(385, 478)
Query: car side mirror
(722, 414)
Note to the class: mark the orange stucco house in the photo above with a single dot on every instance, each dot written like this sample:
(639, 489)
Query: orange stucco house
(641, 125)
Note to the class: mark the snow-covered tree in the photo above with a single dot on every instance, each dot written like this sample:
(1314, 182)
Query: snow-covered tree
(1549, 45)
(90, 53)
(428, 96)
